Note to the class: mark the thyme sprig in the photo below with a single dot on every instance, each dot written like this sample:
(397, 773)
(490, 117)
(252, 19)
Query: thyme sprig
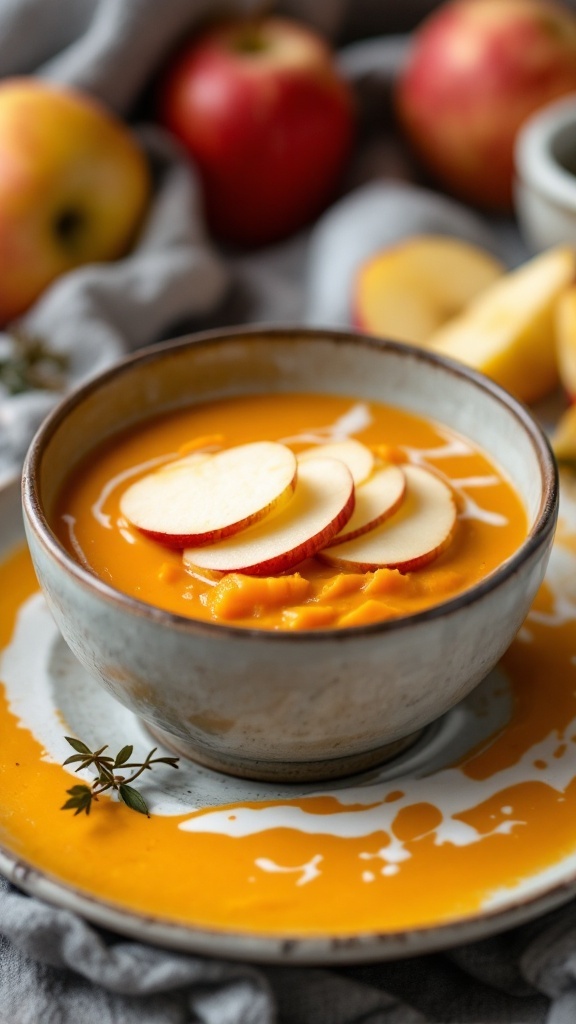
(106, 767)
(30, 363)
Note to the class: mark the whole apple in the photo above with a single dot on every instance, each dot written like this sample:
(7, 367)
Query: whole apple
(266, 118)
(475, 71)
(73, 187)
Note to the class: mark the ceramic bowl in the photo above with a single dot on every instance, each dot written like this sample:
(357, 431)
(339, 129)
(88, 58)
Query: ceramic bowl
(545, 187)
(279, 705)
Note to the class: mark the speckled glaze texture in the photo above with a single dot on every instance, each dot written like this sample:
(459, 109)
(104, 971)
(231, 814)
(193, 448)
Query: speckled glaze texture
(281, 705)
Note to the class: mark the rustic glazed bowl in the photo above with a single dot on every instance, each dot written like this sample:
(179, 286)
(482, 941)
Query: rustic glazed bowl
(278, 705)
(545, 187)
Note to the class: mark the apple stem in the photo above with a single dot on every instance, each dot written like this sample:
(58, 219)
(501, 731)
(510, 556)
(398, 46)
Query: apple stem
(252, 40)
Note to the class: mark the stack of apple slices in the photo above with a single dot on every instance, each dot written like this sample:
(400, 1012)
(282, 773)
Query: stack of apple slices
(259, 509)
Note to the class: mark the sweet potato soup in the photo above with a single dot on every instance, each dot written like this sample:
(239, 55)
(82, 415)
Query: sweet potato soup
(290, 512)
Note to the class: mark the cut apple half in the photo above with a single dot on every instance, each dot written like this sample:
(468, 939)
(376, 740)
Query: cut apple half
(412, 537)
(377, 499)
(409, 290)
(208, 497)
(322, 503)
(354, 454)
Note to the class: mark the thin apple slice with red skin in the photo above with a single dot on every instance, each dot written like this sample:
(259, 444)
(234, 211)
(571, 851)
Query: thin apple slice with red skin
(208, 497)
(322, 503)
(359, 459)
(414, 536)
(377, 499)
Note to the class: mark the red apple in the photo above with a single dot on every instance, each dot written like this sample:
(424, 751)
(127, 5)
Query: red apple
(476, 70)
(266, 118)
(74, 186)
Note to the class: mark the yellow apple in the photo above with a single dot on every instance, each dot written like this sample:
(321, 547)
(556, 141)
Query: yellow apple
(407, 291)
(509, 330)
(74, 186)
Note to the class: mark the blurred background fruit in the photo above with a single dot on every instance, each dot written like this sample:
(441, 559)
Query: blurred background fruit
(566, 341)
(74, 187)
(407, 291)
(509, 331)
(266, 118)
(475, 71)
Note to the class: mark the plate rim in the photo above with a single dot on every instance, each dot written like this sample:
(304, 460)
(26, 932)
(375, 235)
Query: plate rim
(269, 948)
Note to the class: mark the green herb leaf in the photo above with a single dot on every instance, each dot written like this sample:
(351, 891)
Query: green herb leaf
(105, 774)
(32, 364)
(82, 796)
(124, 755)
(133, 799)
(80, 800)
(78, 745)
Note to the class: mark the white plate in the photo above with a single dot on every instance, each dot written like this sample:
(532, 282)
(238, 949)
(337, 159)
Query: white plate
(397, 861)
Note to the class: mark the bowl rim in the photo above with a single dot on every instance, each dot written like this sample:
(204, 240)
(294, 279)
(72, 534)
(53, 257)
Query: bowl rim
(542, 527)
(535, 163)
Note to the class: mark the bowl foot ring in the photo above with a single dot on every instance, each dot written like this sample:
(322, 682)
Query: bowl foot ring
(285, 771)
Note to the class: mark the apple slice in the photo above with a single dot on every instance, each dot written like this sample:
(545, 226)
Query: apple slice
(322, 503)
(509, 331)
(415, 535)
(355, 455)
(177, 465)
(408, 290)
(564, 437)
(566, 341)
(377, 499)
(202, 498)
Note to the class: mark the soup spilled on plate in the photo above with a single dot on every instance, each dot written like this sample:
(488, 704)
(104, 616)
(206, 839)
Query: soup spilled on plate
(290, 512)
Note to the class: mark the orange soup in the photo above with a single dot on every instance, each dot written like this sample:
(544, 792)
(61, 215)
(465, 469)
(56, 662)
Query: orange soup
(335, 588)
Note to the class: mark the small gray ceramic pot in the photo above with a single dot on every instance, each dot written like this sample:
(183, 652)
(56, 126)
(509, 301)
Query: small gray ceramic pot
(284, 705)
(545, 186)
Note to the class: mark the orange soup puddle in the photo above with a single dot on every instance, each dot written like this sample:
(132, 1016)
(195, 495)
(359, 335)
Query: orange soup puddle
(407, 853)
(491, 523)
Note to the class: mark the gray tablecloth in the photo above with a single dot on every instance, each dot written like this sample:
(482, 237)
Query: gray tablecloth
(54, 967)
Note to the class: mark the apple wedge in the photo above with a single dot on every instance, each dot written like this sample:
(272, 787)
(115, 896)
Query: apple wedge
(563, 439)
(322, 503)
(415, 535)
(407, 291)
(202, 498)
(509, 331)
(354, 454)
(377, 499)
(566, 341)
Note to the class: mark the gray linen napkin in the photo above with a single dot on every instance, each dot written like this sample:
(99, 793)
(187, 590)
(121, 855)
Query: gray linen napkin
(54, 967)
